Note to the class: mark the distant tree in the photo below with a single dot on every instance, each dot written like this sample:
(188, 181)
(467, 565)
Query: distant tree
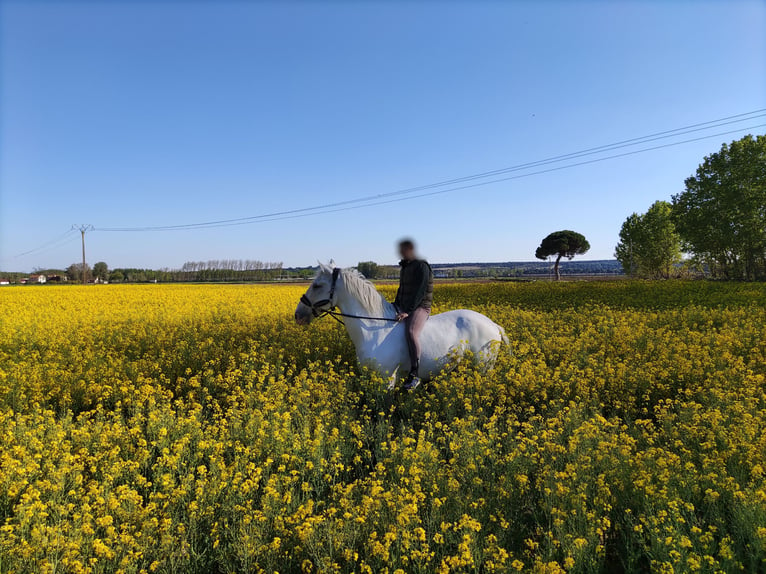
(721, 215)
(116, 276)
(649, 245)
(369, 269)
(101, 271)
(74, 272)
(631, 236)
(565, 243)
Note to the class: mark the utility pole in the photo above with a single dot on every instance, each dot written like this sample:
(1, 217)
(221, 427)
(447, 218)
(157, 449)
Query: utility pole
(82, 228)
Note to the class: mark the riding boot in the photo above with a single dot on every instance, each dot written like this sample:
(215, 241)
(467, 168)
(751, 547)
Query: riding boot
(413, 381)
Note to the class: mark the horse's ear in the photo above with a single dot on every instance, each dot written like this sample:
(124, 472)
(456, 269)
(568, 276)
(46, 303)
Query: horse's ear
(331, 264)
(323, 268)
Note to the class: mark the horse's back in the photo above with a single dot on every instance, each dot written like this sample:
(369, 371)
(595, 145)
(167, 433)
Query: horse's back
(461, 327)
(465, 319)
(444, 335)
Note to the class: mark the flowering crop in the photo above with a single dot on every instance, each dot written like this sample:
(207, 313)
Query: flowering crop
(198, 429)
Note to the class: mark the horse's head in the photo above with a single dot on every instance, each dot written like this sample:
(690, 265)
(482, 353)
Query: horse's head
(320, 296)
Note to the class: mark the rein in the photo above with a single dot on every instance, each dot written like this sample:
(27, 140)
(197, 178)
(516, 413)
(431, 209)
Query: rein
(319, 313)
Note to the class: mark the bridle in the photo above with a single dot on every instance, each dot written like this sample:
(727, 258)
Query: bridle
(315, 307)
(319, 312)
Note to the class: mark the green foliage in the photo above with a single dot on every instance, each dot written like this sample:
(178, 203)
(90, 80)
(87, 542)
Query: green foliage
(101, 271)
(369, 269)
(74, 272)
(721, 215)
(649, 244)
(565, 243)
(116, 276)
(631, 238)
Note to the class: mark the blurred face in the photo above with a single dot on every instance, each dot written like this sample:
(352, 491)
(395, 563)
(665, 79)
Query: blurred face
(407, 252)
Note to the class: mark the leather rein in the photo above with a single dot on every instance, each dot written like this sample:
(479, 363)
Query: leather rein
(318, 312)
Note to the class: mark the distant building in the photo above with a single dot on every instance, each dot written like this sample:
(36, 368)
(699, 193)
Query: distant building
(37, 278)
(4, 281)
(56, 278)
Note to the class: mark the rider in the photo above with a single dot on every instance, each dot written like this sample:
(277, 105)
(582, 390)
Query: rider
(413, 303)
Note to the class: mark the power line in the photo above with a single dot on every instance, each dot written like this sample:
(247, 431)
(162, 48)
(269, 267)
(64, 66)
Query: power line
(58, 241)
(410, 193)
(600, 149)
(521, 176)
(384, 198)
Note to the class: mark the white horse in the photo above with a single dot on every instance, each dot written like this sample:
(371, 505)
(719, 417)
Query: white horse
(380, 341)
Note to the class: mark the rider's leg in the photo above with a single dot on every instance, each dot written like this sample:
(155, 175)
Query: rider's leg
(414, 325)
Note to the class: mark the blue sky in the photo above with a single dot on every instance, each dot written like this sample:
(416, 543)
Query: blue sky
(141, 114)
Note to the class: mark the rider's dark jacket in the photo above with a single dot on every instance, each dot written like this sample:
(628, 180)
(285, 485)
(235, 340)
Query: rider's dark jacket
(416, 286)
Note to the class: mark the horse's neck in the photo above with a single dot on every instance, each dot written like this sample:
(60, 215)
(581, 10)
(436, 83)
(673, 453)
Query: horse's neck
(360, 330)
(348, 302)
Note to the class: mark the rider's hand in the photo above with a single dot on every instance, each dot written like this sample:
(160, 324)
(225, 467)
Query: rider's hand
(401, 316)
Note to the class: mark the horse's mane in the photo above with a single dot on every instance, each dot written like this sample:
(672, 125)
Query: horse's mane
(364, 291)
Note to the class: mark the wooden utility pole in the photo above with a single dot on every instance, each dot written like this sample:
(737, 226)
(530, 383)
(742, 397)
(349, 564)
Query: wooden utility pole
(82, 229)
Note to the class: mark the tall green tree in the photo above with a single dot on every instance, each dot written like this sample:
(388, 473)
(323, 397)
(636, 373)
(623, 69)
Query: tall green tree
(116, 276)
(75, 270)
(565, 243)
(369, 269)
(649, 243)
(721, 215)
(631, 237)
(101, 271)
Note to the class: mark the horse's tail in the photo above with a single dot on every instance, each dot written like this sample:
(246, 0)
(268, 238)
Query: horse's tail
(504, 337)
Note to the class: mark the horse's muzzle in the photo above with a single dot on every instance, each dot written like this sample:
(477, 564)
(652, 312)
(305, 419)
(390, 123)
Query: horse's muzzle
(302, 318)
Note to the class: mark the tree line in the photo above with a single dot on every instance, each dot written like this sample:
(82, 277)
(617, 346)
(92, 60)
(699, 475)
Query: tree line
(719, 220)
(211, 270)
(230, 270)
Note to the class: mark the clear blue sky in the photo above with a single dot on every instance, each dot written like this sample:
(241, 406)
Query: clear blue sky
(131, 114)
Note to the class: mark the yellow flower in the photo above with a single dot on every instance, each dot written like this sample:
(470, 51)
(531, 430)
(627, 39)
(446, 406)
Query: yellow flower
(139, 420)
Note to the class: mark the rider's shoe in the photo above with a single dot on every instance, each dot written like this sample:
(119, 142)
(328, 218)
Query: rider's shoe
(411, 383)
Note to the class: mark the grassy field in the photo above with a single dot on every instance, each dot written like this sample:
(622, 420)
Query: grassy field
(197, 429)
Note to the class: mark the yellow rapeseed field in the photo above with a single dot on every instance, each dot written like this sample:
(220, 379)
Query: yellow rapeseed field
(197, 429)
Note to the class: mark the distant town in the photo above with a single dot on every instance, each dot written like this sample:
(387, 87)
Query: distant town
(246, 270)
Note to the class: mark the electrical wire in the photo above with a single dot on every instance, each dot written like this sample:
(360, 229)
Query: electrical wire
(409, 193)
(51, 244)
(442, 191)
(470, 181)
